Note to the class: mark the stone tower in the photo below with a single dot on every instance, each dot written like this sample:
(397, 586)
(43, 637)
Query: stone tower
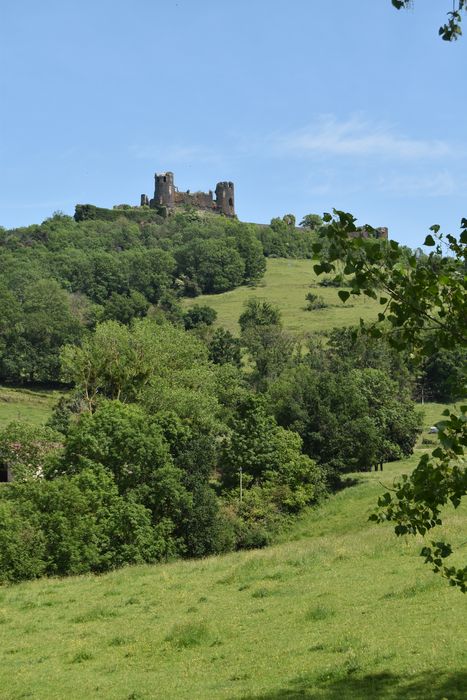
(164, 190)
(225, 203)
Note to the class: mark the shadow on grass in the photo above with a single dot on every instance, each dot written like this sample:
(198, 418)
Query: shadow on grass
(378, 686)
(347, 482)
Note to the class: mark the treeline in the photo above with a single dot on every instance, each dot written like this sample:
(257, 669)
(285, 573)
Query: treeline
(60, 278)
(169, 446)
(177, 438)
(141, 462)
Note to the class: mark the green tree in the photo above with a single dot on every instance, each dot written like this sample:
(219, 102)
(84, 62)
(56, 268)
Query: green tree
(268, 456)
(72, 525)
(311, 221)
(215, 264)
(199, 315)
(349, 347)
(125, 307)
(48, 323)
(251, 252)
(349, 419)
(150, 272)
(22, 545)
(12, 346)
(269, 347)
(110, 362)
(131, 447)
(442, 376)
(224, 347)
(24, 449)
(259, 312)
(423, 310)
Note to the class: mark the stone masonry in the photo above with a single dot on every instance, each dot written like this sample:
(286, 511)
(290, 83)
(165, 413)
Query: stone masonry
(167, 195)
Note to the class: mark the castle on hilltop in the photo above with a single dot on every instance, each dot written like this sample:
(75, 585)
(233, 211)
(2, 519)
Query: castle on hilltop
(167, 195)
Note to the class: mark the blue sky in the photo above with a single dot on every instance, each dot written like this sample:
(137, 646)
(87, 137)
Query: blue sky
(306, 105)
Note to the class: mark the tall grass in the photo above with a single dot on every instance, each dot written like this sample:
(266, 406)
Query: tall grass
(339, 608)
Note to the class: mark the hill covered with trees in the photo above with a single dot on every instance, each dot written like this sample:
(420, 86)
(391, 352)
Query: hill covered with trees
(176, 437)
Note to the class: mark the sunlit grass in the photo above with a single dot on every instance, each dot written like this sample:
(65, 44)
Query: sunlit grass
(33, 406)
(286, 284)
(338, 608)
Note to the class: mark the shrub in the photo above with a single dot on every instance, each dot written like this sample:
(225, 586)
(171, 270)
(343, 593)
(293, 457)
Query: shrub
(315, 302)
(224, 347)
(72, 525)
(24, 449)
(253, 536)
(336, 281)
(199, 315)
(22, 545)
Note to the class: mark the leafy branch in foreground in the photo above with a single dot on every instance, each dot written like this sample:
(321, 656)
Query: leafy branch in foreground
(450, 30)
(423, 301)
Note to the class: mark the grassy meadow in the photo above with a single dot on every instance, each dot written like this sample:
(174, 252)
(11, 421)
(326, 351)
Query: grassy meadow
(286, 283)
(33, 406)
(338, 608)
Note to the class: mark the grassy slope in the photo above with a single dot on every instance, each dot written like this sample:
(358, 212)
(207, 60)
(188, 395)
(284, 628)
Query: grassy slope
(286, 283)
(341, 609)
(29, 405)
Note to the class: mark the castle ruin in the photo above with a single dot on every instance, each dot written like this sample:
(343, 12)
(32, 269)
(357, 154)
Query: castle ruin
(168, 196)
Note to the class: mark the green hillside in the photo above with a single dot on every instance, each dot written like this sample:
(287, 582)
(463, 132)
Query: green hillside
(286, 283)
(341, 609)
(33, 406)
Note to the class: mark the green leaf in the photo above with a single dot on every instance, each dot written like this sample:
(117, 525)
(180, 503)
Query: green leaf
(343, 295)
(429, 240)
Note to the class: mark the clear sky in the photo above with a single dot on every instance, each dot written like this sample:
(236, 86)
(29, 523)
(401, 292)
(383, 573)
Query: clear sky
(306, 105)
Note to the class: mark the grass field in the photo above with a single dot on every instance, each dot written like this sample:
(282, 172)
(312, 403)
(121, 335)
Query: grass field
(339, 609)
(24, 404)
(286, 283)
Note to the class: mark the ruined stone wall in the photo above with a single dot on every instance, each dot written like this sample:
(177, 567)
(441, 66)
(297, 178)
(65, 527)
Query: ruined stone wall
(198, 200)
(166, 195)
(381, 232)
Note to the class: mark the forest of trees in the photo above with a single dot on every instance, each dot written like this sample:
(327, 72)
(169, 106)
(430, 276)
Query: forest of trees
(60, 278)
(176, 438)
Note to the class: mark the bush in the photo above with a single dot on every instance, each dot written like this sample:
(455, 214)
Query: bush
(199, 315)
(224, 347)
(22, 545)
(315, 302)
(24, 449)
(72, 525)
(336, 281)
(252, 536)
(66, 409)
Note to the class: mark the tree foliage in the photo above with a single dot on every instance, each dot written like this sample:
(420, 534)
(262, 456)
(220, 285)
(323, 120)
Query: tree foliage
(269, 347)
(450, 30)
(423, 310)
(62, 277)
